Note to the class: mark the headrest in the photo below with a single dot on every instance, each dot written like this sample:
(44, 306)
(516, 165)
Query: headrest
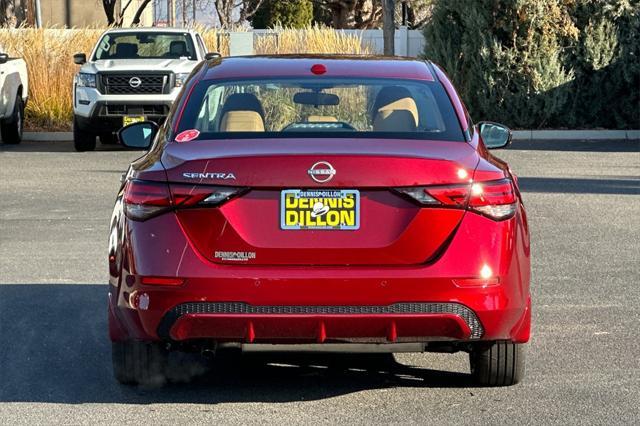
(178, 48)
(243, 102)
(126, 50)
(395, 98)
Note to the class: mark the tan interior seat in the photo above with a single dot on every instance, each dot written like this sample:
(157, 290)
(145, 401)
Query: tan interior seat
(242, 112)
(395, 111)
(398, 120)
(321, 119)
(242, 121)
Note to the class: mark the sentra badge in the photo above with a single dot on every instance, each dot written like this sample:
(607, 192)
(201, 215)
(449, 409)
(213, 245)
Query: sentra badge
(209, 175)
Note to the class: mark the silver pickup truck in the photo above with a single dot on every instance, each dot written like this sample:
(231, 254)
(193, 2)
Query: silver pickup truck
(132, 74)
(13, 98)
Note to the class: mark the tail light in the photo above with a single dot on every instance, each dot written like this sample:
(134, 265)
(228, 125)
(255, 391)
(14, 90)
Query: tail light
(144, 199)
(494, 199)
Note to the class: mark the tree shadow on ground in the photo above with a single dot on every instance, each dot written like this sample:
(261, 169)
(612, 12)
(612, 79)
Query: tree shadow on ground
(55, 349)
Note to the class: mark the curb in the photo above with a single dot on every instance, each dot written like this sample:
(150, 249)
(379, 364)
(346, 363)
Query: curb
(519, 135)
(594, 135)
(48, 136)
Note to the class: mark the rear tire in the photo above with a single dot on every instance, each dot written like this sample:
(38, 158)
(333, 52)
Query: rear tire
(11, 129)
(82, 140)
(139, 363)
(499, 363)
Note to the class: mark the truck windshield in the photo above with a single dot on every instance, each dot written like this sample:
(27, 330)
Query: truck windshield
(329, 108)
(144, 45)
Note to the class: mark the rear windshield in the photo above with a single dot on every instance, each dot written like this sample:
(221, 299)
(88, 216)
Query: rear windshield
(143, 45)
(321, 107)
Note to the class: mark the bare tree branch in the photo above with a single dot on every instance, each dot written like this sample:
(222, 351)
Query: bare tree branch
(136, 17)
(109, 10)
(245, 13)
(118, 22)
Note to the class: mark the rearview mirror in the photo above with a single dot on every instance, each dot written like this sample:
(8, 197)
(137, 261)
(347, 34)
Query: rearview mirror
(3, 58)
(316, 98)
(494, 135)
(211, 55)
(79, 58)
(138, 135)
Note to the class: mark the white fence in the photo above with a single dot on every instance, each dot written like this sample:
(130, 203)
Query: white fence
(407, 42)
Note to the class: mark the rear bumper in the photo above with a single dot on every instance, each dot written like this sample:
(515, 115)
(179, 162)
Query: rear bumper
(255, 304)
(107, 118)
(402, 322)
(99, 113)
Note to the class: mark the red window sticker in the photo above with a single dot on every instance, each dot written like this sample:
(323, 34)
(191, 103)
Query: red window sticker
(187, 135)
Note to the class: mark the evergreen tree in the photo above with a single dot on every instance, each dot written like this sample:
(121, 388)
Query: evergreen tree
(606, 62)
(504, 56)
(542, 63)
(287, 14)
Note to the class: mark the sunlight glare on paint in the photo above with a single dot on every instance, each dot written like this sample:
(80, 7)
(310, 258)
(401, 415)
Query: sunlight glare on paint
(486, 272)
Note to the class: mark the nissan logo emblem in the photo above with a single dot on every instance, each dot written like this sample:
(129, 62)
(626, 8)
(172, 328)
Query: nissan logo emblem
(135, 82)
(321, 172)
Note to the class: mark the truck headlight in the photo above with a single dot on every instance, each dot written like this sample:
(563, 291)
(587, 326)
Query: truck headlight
(86, 80)
(181, 78)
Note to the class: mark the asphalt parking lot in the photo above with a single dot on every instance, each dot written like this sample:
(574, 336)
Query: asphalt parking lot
(583, 200)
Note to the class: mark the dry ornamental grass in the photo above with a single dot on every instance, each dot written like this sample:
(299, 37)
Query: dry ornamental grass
(49, 57)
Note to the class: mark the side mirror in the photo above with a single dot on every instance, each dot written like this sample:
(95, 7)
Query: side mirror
(79, 58)
(494, 135)
(138, 135)
(211, 55)
(4, 58)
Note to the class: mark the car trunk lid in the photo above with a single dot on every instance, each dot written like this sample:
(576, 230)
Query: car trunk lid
(381, 227)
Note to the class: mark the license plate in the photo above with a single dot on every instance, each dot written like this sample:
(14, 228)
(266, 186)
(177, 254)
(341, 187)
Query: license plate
(320, 209)
(130, 119)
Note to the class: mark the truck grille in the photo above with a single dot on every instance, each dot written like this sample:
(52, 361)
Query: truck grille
(127, 109)
(126, 84)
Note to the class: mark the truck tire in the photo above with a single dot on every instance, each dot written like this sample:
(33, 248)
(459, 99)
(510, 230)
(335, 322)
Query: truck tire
(82, 140)
(108, 139)
(139, 363)
(499, 363)
(11, 128)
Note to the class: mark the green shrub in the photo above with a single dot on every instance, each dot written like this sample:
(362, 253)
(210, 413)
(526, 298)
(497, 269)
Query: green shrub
(606, 63)
(541, 63)
(289, 14)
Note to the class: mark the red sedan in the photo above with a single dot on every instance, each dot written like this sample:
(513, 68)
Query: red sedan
(319, 203)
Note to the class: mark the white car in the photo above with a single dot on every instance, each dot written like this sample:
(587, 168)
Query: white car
(131, 75)
(13, 98)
